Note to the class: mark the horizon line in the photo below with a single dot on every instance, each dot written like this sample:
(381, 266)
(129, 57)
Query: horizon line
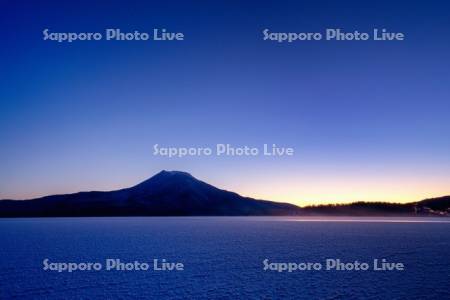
(310, 204)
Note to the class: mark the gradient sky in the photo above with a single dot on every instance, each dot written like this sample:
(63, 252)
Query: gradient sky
(368, 120)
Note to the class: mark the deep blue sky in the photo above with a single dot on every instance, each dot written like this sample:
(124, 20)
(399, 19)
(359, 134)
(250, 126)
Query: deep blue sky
(368, 120)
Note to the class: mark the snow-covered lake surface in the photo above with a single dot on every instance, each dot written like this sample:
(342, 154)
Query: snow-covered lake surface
(223, 257)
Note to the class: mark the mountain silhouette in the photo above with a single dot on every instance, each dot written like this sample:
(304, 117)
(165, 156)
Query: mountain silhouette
(175, 193)
(168, 193)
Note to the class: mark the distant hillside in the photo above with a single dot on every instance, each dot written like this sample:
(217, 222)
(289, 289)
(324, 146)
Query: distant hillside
(437, 204)
(360, 209)
(165, 194)
(431, 207)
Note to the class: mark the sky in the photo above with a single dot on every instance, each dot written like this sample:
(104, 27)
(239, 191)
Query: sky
(369, 121)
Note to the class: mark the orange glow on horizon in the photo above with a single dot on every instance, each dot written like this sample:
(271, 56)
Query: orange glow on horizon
(315, 191)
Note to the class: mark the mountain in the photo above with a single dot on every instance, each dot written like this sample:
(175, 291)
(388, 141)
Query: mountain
(177, 193)
(167, 193)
